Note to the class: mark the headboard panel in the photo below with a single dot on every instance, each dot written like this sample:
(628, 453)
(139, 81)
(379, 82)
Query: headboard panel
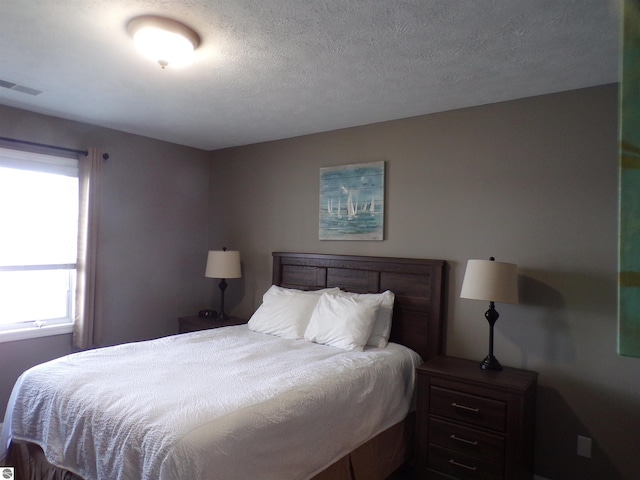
(418, 285)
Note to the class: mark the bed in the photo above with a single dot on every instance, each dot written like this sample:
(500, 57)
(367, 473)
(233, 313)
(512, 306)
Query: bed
(371, 448)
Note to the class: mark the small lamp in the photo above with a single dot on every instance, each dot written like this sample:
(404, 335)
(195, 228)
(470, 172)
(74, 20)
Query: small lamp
(223, 264)
(495, 282)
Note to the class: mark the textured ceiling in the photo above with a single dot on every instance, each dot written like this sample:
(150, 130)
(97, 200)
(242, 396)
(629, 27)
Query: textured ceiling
(270, 69)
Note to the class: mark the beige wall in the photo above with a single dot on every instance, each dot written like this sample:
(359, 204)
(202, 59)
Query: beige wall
(533, 182)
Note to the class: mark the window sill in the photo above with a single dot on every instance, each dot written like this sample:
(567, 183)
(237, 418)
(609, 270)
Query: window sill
(35, 332)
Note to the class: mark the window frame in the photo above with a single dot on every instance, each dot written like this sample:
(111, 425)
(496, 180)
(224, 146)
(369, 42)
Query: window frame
(47, 163)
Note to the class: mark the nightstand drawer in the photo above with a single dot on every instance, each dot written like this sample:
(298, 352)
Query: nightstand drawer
(480, 411)
(466, 440)
(462, 466)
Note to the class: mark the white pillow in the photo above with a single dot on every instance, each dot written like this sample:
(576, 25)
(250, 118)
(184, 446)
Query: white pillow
(285, 312)
(382, 327)
(277, 290)
(343, 322)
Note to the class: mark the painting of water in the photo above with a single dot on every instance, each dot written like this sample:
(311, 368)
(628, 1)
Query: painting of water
(629, 264)
(352, 202)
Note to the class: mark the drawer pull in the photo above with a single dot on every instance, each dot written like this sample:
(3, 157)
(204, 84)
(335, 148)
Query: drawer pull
(463, 440)
(464, 407)
(462, 465)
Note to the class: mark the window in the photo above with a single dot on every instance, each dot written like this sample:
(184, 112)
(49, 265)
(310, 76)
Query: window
(38, 243)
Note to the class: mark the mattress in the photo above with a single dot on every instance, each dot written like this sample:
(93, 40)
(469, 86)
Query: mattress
(223, 403)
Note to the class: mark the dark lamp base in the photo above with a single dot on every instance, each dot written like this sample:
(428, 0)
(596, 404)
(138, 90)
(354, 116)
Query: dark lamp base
(490, 363)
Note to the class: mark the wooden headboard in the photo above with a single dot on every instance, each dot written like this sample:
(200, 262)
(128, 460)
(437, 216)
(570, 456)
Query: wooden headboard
(418, 285)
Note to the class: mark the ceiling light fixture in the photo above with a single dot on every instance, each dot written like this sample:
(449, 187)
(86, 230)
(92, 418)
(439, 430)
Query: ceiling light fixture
(163, 40)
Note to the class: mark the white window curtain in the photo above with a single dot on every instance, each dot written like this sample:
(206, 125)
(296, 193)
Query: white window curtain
(87, 329)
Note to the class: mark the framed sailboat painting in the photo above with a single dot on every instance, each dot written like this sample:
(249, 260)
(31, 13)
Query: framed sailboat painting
(352, 202)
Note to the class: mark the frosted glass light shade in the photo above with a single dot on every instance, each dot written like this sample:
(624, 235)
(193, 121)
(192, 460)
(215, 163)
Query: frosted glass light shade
(163, 40)
(491, 281)
(223, 264)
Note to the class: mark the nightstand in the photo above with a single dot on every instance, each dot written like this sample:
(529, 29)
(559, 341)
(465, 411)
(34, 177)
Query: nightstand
(474, 423)
(194, 323)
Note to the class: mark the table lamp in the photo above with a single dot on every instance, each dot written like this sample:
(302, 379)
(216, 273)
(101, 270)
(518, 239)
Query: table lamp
(223, 264)
(494, 282)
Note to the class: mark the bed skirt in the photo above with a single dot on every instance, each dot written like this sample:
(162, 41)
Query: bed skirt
(377, 459)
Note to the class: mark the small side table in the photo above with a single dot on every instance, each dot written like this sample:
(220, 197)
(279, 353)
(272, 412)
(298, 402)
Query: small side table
(473, 423)
(194, 323)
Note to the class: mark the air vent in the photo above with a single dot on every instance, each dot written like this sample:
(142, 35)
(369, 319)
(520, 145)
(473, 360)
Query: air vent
(19, 88)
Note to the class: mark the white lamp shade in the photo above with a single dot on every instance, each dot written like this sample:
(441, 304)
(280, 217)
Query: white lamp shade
(223, 264)
(491, 281)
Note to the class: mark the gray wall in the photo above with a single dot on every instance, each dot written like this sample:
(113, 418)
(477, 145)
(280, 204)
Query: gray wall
(533, 182)
(152, 246)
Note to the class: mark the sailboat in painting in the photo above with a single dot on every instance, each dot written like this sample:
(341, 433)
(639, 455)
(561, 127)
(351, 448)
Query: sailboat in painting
(351, 208)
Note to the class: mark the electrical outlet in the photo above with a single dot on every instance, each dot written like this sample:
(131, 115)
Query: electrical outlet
(584, 446)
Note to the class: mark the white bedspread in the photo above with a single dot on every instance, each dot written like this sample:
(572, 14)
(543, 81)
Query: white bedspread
(217, 404)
